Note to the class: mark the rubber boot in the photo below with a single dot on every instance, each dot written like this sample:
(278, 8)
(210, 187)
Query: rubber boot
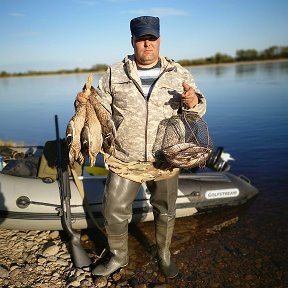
(119, 194)
(163, 232)
(119, 249)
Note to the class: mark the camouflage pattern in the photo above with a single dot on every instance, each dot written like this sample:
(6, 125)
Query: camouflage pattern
(138, 171)
(136, 120)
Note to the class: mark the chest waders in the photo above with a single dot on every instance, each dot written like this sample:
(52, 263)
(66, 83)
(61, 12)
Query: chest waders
(119, 195)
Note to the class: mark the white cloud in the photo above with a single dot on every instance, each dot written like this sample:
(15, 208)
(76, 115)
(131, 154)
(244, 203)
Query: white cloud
(88, 2)
(28, 34)
(161, 12)
(120, 1)
(16, 14)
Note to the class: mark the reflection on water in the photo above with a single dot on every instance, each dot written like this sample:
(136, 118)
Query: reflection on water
(258, 70)
(245, 69)
(246, 113)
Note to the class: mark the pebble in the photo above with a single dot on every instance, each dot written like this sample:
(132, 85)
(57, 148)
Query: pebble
(4, 273)
(249, 253)
(38, 259)
(50, 251)
(41, 259)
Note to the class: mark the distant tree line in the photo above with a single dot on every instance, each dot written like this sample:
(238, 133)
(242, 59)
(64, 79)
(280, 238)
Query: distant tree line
(95, 68)
(242, 55)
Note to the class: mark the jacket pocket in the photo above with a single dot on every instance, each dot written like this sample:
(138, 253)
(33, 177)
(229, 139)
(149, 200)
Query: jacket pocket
(122, 93)
(167, 95)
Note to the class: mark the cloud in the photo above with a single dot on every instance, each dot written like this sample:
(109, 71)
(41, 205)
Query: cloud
(161, 12)
(16, 14)
(88, 2)
(121, 1)
(28, 34)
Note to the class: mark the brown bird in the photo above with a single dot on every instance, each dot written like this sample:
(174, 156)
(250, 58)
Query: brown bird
(107, 124)
(90, 129)
(91, 136)
(74, 128)
(73, 133)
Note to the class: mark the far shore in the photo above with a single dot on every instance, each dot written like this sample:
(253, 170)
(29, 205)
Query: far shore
(24, 74)
(241, 63)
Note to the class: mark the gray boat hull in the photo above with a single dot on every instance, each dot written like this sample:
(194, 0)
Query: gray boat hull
(32, 204)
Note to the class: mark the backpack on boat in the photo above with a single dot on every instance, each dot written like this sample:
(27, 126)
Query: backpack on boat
(48, 161)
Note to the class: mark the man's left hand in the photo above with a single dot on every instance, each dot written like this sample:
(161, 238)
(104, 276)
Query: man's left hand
(189, 96)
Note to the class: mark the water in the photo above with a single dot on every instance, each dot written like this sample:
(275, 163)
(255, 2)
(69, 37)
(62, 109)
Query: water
(28, 106)
(246, 115)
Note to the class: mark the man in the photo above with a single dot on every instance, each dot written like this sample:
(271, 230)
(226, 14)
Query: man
(139, 93)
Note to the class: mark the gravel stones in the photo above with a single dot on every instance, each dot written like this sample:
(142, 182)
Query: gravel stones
(229, 249)
(41, 259)
(38, 259)
(51, 251)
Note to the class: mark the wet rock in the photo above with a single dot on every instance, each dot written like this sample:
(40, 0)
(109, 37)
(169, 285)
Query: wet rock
(101, 282)
(15, 272)
(249, 253)
(62, 262)
(50, 251)
(4, 273)
(28, 244)
(54, 235)
(116, 277)
(74, 283)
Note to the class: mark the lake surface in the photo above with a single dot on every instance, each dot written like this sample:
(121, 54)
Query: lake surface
(246, 114)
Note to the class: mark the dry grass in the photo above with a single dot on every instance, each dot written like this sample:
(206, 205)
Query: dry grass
(9, 143)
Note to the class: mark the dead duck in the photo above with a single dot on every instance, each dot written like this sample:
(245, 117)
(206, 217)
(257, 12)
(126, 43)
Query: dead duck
(91, 136)
(73, 133)
(90, 129)
(75, 126)
(107, 124)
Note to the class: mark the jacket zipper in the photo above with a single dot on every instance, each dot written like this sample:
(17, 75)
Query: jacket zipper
(141, 91)
(147, 99)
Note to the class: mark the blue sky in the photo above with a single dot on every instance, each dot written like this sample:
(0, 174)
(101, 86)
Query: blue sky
(66, 34)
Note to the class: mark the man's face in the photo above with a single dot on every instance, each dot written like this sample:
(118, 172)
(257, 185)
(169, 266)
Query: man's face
(146, 50)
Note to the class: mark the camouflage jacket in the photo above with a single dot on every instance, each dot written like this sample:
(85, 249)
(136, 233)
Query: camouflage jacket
(136, 119)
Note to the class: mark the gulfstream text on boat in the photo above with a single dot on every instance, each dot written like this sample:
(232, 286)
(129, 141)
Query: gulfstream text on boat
(221, 193)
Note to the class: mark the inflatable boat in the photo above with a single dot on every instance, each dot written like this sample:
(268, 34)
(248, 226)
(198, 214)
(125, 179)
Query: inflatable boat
(30, 199)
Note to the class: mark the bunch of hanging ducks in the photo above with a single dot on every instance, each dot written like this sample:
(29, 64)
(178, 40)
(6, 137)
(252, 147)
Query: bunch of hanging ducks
(90, 130)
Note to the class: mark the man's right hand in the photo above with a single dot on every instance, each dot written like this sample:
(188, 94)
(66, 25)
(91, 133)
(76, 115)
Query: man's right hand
(81, 98)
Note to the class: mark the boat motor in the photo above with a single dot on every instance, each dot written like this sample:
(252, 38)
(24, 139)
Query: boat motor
(218, 160)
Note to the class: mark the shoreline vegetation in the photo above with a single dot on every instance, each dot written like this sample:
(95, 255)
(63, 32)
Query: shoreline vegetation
(9, 143)
(273, 53)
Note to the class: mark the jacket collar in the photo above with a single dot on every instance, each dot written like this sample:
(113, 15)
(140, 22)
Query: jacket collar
(130, 64)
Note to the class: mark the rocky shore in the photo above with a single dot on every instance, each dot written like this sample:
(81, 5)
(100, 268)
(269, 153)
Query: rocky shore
(42, 259)
(232, 249)
(36, 259)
